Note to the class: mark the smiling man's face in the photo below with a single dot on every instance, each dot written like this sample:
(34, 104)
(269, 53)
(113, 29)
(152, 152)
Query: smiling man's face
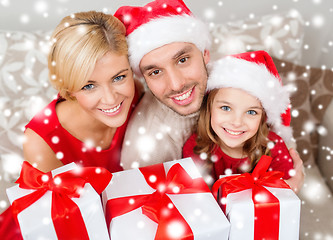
(176, 74)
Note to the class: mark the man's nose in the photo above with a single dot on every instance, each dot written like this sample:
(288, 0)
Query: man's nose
(176, 80)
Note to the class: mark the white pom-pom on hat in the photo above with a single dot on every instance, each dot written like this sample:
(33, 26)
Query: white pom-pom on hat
(159, 23)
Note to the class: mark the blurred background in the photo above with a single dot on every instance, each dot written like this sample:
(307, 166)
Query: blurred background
(317, 14)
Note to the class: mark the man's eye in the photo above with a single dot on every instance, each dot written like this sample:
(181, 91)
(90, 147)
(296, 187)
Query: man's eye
(88, 87)
(183, 60)
(252, 112)
(155, 72)
(119, 78)
(225, 108)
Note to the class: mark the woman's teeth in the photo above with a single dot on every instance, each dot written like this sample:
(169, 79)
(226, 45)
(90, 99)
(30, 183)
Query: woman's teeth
(111, 110)
(184, 96)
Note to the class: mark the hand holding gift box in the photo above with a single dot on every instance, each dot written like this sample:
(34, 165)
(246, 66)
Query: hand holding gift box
(259, 205)
(61, 204)
(163, 201)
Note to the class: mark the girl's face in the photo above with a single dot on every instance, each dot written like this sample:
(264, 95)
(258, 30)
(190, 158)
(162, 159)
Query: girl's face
(235, 118)
(108, 94)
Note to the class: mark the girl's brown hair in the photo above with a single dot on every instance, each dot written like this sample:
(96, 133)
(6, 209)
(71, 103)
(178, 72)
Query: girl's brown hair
(207, 140)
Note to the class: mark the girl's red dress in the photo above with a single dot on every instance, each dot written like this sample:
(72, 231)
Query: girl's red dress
(281, 160)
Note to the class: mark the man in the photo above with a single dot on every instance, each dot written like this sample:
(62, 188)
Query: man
(169, 47)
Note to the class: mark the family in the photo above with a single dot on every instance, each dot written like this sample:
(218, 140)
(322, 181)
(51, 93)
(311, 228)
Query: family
(224, 115)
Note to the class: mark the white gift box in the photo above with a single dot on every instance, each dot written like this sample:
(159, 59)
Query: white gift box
(240, 212)
(200, 210)
(36, 221)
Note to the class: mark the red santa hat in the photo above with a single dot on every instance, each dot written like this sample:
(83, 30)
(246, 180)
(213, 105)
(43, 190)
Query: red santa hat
(255, 73)
(158, 23)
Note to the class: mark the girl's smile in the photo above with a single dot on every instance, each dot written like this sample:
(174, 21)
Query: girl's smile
(233, 133)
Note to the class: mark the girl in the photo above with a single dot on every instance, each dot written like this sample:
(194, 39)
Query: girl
(241, 116)
(88, 65)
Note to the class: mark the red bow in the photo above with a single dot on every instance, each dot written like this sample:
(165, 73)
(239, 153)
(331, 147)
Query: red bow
(66, 215)
(266, 205)
(158, 206)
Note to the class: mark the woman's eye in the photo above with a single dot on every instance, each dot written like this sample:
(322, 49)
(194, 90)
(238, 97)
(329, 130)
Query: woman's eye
(119, 78)
(88, 87)
(225, 108)
(252, 112)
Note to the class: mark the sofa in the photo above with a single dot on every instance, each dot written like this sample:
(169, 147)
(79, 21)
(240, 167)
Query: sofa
(24, 90)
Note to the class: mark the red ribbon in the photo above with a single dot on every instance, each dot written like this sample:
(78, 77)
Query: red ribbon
(66, 215)
(266, 205)
(158, 206)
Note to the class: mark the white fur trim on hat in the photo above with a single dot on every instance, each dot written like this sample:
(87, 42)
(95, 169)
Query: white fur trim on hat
(259, 82)
(164, 30)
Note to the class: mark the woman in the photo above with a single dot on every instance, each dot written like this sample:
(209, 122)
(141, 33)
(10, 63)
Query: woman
(88, 65)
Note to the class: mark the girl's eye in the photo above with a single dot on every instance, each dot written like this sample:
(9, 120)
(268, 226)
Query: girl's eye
(88, 87)
(119, 78)
(225, 108)
(183, 60)
(252, 112)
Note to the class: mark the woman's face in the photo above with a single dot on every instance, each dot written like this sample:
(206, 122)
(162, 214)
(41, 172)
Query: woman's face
(108, 94)
(235, 117)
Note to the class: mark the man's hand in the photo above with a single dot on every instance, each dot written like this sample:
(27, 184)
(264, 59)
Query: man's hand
(297, 180)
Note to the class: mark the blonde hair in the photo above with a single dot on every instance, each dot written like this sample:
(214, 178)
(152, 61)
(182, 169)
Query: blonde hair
(207, 140)
(78, 42)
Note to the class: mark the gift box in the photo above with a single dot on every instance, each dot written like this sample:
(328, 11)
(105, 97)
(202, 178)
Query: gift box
(259, 205)
(163, 201)
(62, 204)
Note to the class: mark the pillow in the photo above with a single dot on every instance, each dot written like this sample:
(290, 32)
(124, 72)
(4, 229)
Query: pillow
(321, 91)
(311, 93)
(25, 89)
(281, 35)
